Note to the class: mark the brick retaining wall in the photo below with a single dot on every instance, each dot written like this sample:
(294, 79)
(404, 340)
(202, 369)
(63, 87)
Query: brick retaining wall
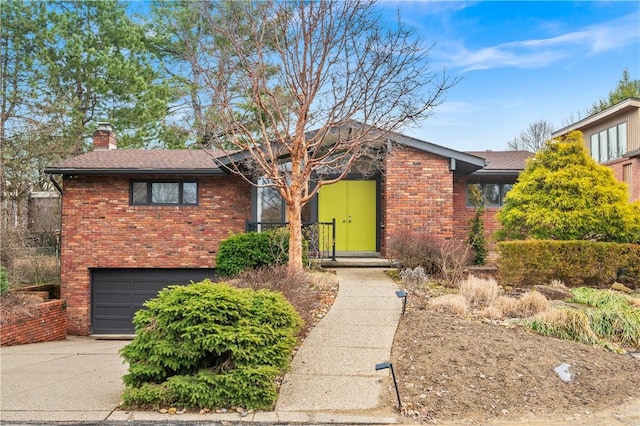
(47, 323)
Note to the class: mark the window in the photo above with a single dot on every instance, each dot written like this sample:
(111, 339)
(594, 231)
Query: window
(272, 208)
(609, 144)
(164, 193)
(492, 193)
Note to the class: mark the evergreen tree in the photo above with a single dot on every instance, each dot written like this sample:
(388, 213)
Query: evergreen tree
(626, 88)
(100, 69)
(563, 194)
(477, 239)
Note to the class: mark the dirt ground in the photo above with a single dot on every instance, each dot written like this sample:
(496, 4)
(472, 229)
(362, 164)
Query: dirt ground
(452, 370)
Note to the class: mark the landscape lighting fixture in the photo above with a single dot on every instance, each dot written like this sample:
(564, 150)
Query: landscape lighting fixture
(389, 365)
(402, 295)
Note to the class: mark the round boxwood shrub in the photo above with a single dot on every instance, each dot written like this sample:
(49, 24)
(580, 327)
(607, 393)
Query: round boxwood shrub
(209, 345)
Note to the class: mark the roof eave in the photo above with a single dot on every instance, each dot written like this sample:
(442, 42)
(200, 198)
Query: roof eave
(497, 172)
(632, 153)
(192, 172)
(441, 151)
(628, 103)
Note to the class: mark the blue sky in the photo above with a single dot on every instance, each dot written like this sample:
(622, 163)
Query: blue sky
(520, 62)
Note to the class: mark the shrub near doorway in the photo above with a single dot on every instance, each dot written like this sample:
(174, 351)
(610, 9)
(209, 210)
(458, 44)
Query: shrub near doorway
(209, 345)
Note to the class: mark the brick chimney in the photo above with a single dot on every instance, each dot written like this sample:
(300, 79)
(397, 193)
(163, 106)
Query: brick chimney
(104, 139)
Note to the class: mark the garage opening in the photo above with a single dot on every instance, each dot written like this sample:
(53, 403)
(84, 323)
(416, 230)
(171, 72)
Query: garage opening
(117, 294)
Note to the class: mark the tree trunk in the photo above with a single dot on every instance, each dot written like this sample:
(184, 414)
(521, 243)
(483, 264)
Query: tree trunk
(294, 209)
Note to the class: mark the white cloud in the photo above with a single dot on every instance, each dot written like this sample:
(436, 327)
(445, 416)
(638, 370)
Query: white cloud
(537, 53)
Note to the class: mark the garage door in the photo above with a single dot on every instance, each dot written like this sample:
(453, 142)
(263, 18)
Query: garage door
(116, 294)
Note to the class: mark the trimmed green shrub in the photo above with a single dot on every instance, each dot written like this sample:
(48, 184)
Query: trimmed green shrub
(209, 345)
(576, 263)
(254, 250)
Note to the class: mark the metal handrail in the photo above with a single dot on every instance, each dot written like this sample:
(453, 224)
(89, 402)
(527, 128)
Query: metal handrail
(324, 237)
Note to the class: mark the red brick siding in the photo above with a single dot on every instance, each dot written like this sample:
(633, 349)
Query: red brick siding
(47, 323)
(100, 229)
(617, 167)
(417, 194)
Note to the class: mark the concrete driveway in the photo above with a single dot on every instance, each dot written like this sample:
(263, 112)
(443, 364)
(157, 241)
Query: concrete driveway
(78, 379)
(332, 378)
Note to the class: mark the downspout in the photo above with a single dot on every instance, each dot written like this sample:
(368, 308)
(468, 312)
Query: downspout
(53, 181)
(59, 249)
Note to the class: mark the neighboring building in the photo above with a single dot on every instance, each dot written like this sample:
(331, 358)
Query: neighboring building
(134, 221)
(612, 137)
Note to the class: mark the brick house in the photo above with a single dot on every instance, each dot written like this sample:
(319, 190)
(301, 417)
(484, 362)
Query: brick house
(612, 137)
(134, 221)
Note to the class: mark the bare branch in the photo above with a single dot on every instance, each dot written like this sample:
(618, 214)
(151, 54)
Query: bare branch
(318, 85)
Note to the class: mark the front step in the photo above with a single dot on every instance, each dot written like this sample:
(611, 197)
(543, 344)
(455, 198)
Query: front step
(356, 262)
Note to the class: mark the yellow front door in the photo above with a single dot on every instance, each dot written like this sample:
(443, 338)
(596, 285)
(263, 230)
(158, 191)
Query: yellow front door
(353, 204)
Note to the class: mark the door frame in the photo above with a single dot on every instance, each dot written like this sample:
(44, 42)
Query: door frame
(378, 192)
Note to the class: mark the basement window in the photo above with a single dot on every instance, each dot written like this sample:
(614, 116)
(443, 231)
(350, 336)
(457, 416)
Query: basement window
(164, 193)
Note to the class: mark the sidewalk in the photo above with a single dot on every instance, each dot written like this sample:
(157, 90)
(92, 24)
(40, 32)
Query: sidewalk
(332, 379)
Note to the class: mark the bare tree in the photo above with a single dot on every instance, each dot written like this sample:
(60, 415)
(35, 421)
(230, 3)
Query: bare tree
(283, 69)
(533, 137)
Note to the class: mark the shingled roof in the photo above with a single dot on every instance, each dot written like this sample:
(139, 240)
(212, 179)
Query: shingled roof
(502, 162)
(140, 161)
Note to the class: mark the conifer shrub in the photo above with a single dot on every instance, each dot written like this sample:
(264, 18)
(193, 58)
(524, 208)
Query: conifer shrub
(298, 287)
(4, 281)
(209, 345)
(477, 239)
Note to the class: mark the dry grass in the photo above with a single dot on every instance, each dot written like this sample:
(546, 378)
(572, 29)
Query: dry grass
(479, 291)
(449, 303)
(14, 304)
(633, 301)
(509, 306)
(528, 305)
(531, 303)
(33, 269)
(568, 324)
(492, 312)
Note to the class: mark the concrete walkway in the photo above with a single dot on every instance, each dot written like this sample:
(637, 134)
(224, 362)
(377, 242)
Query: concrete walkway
(335, 367)
(332, 379)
